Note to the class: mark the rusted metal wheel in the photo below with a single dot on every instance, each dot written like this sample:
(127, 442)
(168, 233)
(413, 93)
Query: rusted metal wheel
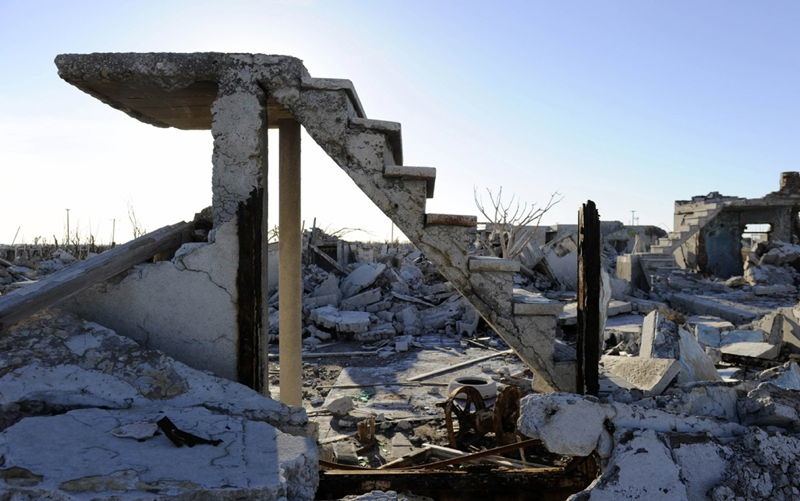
(506, 413)
(462, 415)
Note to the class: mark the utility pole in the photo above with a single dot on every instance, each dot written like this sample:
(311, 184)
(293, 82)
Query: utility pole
(113, 230)
(633, 217)
(67, 240)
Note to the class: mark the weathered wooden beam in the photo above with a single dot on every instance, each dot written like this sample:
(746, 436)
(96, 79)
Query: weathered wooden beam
(588, 343)
(52, 289)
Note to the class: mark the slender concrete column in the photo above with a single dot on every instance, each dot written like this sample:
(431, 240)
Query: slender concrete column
(290, 281)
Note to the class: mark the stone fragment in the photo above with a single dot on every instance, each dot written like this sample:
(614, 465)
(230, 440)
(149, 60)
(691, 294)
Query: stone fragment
(651, 375)
(340, 406)
(752, 350)
(360, 278)
(401, 343)
(786, 376)
(361, 299)
(762, 466)
(708, 329)
(659, 337)
(695, 363)
(137, 431)
(409, 316)
(641, 467)
(742, 336)
(380, 331)
(714, 399)
(767, 274)
(329, 286)
(702, 462)
(662, 338)
(769, 405)
(342, 321)
(566, 423)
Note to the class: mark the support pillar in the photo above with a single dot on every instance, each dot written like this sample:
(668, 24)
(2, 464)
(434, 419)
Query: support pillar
(290, 281)
(589, 336)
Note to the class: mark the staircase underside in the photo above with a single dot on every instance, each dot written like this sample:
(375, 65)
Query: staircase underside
(179, 90)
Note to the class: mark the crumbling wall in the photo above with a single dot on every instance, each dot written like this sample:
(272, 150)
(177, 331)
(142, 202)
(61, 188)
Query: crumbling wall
(719, 247)
(185, 307)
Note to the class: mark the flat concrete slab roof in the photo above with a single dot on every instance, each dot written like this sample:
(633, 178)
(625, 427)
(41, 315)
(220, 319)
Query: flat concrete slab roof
(168, 89)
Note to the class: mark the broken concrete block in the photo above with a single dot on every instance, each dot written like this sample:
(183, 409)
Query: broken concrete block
(566, 424)
(353, 321)
(786, 376)
(769, 405)
(641, 467)
(707, 305)
(438, 317)
(342, 321)
(781, 325)
(767, 274)
(360, 278)
(712, 399)
(753, 350)
(742, 336)
(409, 316)
(312, 302)
(651, 375)
(340, 406)
(702, 462)
(378, 332)
(318, 333)
(327, 287)
(659, 337)
(401, 343)
(774, 290)
(695, 364)
(708, 329)
(361, 299)
(763, 466)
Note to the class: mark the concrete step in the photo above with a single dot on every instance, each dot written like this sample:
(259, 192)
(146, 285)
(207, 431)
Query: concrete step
(391, 129)
(427, 174)
(335, 84)
(532, 303)
(450, 220)
(488, 263)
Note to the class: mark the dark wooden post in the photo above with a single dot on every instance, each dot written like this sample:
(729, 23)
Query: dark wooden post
(588, 345)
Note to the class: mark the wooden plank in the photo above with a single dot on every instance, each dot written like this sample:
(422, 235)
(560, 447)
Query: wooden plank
(52, 289)
(457, 366)
(588, 342)
(327, 259)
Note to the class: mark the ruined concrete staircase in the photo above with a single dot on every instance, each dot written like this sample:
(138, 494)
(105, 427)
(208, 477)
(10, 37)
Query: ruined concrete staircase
(690, 225)
(660, 261)
(370, 151)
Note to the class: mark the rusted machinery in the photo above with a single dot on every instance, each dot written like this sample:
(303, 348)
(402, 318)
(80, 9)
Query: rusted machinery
(468, 419)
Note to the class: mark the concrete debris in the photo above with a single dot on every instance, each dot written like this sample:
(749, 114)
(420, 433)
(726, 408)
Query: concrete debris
(360, 278)
(752, 350)
(91, 399)
(641, 467)
(663, 338)
(340, 406)
(786, 376)
(652, 376)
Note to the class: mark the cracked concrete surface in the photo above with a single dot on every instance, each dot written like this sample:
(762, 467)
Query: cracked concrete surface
(185, 307)
(67, 384)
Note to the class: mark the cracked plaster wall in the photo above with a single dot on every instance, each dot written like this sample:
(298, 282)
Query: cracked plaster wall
(185, 307)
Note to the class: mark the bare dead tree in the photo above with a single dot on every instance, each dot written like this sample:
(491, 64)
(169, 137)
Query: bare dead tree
(136, 226)
(513, 223)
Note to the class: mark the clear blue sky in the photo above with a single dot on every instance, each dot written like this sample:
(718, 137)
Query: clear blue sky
(633, 104)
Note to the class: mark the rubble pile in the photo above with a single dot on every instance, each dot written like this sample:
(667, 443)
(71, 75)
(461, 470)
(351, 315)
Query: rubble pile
(96, 403)
(395, 299)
